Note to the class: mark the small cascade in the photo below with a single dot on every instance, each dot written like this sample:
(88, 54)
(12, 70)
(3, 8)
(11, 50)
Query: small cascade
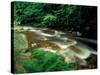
(58, 42)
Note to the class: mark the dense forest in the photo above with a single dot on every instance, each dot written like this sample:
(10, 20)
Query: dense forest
(73, 18)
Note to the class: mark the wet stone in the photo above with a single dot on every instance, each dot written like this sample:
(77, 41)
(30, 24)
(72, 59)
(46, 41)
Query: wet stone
(20, 41)
(71, 49)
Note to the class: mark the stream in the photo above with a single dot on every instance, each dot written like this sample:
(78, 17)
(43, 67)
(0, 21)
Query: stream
(72, 49)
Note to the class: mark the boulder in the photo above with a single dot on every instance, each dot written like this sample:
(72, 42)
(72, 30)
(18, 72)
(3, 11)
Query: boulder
(20, 42)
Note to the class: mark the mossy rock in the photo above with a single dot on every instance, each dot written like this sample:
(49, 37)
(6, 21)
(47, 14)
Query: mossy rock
(20, 42)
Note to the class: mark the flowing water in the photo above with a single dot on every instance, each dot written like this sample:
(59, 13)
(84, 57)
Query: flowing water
(58, 42)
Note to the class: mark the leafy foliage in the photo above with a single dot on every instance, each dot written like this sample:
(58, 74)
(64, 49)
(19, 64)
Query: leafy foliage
(49, 20)
(44, 61)
(56, 16)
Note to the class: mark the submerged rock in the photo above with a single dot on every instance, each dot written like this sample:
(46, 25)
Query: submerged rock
(72, 50)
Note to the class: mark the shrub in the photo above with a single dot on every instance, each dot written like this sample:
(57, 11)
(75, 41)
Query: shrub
(44, 61)
(49, 20)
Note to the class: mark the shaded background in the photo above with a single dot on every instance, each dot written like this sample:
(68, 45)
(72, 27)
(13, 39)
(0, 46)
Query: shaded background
(77, 20)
